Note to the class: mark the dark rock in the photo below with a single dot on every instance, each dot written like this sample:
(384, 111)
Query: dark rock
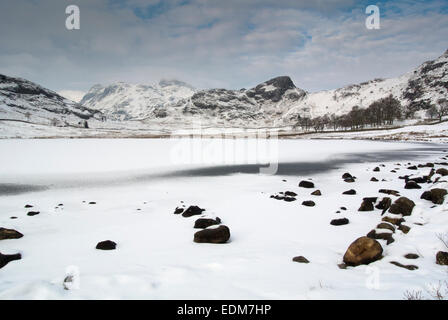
(192, 211)
(343, 208)
(384, 204)
(106, 245)
(289, 199)
(339, 222)
(349, 192)
(290, 194)
(393, 171)
(366, 205)
(28, 206)
(6, 234)
(412, 168)
(387, 226)
(308, 203)
(412, 256)
(7, 258)
(306, 184)
(203, 223)
(346, 176)
(390, 192)
(442, 258)
(220, 234)
(442, 171)
(32, 213)
(437, 196)
(402, 206)
(300, 259)
(412, 185)
(278, 197)
(92, 202)
(178, 210)
(404, 228)
(363, 251)
(349, 180)
(316, 193)
(376, 169)
(409, 267)
(383, 236)
(374, 179)
(395, 221)
(12, 217)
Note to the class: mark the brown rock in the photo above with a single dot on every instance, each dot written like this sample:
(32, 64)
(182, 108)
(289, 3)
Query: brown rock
(409, 267)
(404, 228)
(306, 184)
(386, 226)
(363, 251)
(300, 259)
(316, 193)
(402, 206)
(220, 234)
(442, 258)
(442, 171)
(437, 195)
(9, 234)
(308, 203)
(192, 211)
(203, 223)
(395, 221)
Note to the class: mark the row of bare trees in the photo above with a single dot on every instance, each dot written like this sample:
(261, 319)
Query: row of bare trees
(380, 113)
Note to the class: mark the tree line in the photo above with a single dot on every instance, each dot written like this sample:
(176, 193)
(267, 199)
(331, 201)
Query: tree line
(382, 112)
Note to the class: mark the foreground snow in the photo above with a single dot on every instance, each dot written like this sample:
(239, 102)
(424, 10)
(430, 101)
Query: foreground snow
(137, 184)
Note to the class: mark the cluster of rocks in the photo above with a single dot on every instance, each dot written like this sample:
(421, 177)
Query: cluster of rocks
(290, 196)
(368, 249)
(213, 231)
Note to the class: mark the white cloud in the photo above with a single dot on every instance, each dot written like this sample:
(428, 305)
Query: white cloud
(320, 44)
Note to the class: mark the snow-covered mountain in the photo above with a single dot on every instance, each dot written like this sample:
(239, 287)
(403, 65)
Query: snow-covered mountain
(123, 101)
(415, 90)
(276, 102)
(23, 100)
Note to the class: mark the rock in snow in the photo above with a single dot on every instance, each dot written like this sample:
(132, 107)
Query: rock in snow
(363, 250)
(220, 234)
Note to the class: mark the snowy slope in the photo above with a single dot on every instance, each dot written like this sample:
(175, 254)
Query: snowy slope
(425, 84)
(23, 100)
(123, 101)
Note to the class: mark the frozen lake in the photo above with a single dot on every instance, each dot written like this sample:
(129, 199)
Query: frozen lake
(138, 183)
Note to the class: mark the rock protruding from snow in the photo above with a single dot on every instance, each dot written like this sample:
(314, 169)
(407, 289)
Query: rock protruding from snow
(220, 234)
(106, 245)
(402, 206)
(363, 250)
(7, 258)
(9, 234)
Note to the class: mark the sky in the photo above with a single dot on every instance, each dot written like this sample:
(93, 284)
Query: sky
(227, 44)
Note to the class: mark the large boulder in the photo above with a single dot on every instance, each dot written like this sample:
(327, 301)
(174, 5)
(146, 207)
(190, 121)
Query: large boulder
(442, 171)
(7, 258)
(220, 234)
(363, 250)
(437, 195)
(9, 234)
(192, 211)
(306, 184)
(384, 204)
(308, 203)
(402, 206)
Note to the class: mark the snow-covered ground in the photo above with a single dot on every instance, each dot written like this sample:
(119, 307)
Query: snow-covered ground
(137, 184)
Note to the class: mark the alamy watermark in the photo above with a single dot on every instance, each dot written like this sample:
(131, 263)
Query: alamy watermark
(73, 21)
(373, 20)
(257, 147)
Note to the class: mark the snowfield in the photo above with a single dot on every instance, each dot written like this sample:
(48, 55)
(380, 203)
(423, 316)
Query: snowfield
(136, 185)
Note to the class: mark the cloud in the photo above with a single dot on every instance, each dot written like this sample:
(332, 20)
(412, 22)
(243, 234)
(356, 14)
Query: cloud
(232, 44)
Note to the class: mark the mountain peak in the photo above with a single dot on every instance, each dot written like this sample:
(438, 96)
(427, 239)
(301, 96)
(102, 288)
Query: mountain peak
(281, 82)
